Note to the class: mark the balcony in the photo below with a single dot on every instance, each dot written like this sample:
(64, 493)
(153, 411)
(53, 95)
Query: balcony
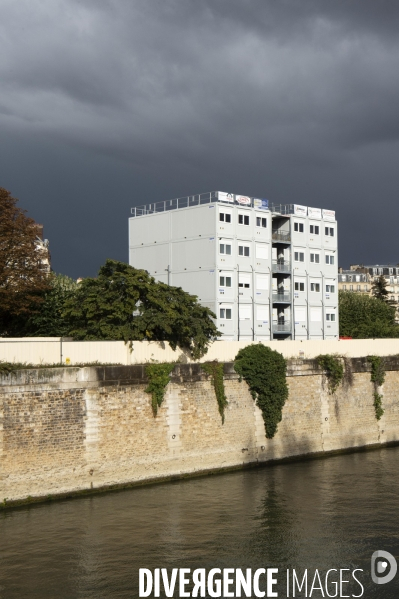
(281, 265)
(281, 298)
(281, 326)
(281, 236)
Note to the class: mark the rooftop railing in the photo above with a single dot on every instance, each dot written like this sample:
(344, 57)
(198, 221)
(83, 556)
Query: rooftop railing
(186, 202)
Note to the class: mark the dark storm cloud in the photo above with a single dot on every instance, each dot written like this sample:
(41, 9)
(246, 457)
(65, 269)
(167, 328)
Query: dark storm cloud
(104, 104)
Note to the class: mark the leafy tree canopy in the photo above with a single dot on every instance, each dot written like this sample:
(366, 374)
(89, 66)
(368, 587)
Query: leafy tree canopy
(380, 291)
(362, 317)
(48, 320)
(23, 277)
(128, 304)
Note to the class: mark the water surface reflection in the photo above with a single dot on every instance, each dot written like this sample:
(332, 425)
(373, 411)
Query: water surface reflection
(330, 513)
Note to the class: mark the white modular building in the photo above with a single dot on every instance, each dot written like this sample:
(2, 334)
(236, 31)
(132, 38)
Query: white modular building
(266, 271)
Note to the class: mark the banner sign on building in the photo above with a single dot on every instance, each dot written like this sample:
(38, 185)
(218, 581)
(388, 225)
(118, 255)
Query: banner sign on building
(261, 204)
(329, 214)
(300, 210)
(314, 212)
(243, 200)
(225, 197)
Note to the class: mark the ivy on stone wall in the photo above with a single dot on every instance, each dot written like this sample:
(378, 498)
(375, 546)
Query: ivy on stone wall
(377, 377)
(264, 370)
(158, 378)
(378, 405)
(334, 370)
(377, 369)
(215, 370)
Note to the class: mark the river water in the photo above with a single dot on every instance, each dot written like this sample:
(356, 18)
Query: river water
(319, 514)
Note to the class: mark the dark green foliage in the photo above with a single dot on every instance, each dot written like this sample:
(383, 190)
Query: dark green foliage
(378, 405)
(49, 321)
(380, 291)
(377, 377)
(334, 370)
(158, 378)
(264, 370)
(7, 367)
(377, 370)
(215, 370)
(127, 304)
(364, 317)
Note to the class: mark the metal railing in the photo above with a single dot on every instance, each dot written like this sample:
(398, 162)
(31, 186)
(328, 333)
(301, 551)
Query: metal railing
(281, 326)
(195, 200)
(282, 208)
(210, 197)
(281, 265)
(281, 236)
(282, 298)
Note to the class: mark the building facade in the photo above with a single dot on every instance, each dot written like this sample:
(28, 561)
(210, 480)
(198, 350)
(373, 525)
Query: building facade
(266, 271)
(360, 278)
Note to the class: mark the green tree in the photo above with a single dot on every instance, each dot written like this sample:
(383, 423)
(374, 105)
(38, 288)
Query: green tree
(128, 304)
(362, 317)
(23, 274)
(49, 320)
(380, 291)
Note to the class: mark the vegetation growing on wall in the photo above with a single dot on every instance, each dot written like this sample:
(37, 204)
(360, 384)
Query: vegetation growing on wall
(333, 369)
(377, 377)
(215, 370)
(378, 405)
(158, 378)
(264, 370)
(377, 370)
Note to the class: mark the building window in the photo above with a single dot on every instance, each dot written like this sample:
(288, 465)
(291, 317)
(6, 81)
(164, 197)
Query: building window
(315, 258)
(243, 250)
(243, 219)
(358, 287)
(314, 229)
(366, 287)
(299, 286)
(344, 287)
(331, 288)
(330, 260)
(298, 227)
(225, 248)
(315, 287)
(329, 231)
(225, 281)
(224, 217)
(350, 287)
(330, 317)
(261, 222)
(225, 313)
(299, 257)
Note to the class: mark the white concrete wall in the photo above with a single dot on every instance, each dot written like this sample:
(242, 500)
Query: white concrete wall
(48, 350)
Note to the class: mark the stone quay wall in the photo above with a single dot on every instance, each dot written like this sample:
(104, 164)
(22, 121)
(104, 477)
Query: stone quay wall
(70, 430)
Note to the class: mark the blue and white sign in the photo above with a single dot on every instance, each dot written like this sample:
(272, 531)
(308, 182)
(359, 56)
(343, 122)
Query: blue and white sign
(261, 204)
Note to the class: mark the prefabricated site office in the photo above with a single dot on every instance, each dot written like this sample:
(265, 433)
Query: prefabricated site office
(267, 271)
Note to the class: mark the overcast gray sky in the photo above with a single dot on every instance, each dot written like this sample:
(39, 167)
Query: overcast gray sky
(108, 104)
